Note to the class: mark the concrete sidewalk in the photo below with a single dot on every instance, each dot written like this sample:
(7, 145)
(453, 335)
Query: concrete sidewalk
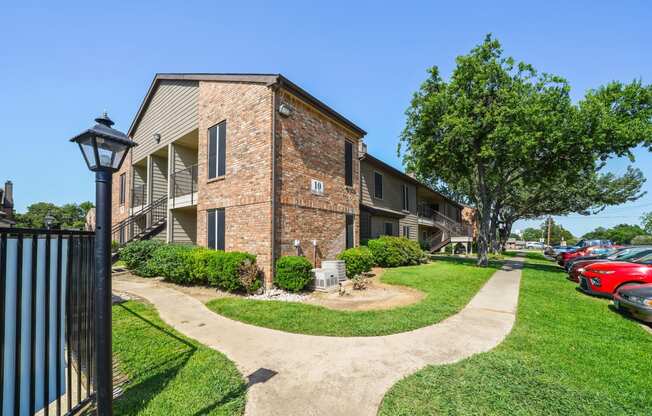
(293, 374)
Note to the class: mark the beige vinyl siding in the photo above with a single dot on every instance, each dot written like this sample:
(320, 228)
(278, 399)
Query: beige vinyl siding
(159, 177)
(412, 222)
(392, 189)
(184, 226)
(171, 112)
(183, 158)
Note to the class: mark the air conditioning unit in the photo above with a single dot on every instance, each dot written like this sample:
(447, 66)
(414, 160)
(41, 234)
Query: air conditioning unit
(336, 266)
(324, 280)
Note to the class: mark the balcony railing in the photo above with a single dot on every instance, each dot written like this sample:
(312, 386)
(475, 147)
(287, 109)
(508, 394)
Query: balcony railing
(139, 195)
(453, 227)
(184, 182)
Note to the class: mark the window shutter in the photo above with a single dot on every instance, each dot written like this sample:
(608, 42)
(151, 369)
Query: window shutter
(349, 230)
(221, 163)
(212, 152)
(211, 229)
(348, 163)
(378, 185)
(220, 229)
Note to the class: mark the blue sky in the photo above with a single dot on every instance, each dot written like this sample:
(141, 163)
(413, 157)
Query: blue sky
(62, 64)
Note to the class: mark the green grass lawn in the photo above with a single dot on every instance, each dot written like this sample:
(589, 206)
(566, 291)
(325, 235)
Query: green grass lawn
(569, 354)
(448, 284)
(168, 373)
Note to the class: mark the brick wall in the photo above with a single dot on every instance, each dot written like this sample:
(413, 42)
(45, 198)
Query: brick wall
(245, 189)
(309, 146)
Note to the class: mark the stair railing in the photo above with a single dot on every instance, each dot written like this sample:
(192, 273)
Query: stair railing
(140, 225)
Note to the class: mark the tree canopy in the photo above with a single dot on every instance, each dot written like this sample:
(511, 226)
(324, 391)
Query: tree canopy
(557, 233)
(67, 216)
(620, 234)
(507, 137)
(646, 222)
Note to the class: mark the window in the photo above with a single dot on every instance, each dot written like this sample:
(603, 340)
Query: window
(123, 188)
(406, 197)
(378, 185)
(348, 163)
(215, 228)
(349, 230)
(406, 231)
(389, 228)
(217, 150)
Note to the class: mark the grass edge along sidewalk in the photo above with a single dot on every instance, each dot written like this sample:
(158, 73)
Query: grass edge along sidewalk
(168, 373)
(448, 284)
(568, 354)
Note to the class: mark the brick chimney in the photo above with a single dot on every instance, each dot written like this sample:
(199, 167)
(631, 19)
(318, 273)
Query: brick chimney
(9, 194)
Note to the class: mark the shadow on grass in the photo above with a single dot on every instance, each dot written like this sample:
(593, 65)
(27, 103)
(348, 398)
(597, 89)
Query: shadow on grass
(468, 261)
(261, 375)
(148, 382)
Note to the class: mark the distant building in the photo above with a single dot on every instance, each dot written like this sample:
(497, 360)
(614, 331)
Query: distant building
(7, 205)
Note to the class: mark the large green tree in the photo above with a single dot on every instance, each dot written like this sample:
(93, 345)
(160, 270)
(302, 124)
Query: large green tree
(497, 124)
(646, 222)
(619, 234)
(67, 216)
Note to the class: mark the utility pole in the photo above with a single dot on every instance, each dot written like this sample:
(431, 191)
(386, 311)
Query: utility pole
(549, 229)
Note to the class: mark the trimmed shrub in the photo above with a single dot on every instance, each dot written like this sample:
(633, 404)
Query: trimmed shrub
(396, 251)
(249, 276)
(293, 273)
(137, 254)
(173, 262)
(358, 260)
(642, 239)
(230, 271)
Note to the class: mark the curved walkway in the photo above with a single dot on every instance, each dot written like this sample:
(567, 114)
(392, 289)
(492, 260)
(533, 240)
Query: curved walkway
(294, 374)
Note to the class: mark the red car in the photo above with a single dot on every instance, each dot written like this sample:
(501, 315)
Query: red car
(603, 279)
(586, 251)
(628, 254)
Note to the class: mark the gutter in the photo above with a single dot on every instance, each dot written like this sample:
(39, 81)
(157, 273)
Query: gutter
(275, 88)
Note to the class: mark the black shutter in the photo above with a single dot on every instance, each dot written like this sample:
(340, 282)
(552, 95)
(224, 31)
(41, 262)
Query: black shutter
(219, 214)
(378, 185)
(348, 163)
(212, 152)
(349, 230)
(211, 229)
(221, 163)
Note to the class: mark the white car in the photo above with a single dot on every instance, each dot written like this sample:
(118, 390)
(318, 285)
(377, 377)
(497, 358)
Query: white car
(535, 245)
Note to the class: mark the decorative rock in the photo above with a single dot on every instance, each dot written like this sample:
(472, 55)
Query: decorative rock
(281, 295)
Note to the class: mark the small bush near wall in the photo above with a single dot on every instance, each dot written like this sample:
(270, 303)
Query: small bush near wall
(137, 254)
(173, 262)
(293, 273)
(358, 260)
(396, 251)
(188, 265)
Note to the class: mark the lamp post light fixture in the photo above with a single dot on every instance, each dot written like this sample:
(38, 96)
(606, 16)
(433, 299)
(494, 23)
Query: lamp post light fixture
(49, 220)
(104, 149)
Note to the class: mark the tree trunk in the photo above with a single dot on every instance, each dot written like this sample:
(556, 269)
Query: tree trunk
(484, 230)
(504, 235)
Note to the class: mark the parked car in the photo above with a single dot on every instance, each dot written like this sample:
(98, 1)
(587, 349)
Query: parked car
(552, 251)
(563, 258)
(588, 243)
(635, 300)
(534, 245)
(595, 254)
(624, 254)
(603, 279)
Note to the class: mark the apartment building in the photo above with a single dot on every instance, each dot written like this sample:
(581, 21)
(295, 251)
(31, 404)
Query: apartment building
(252, 162)
(7, 205)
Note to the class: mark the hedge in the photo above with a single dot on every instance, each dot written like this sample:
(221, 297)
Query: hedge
(293, 273)
(188, 265)
(390, 251)
(358, 260)
(136, 255)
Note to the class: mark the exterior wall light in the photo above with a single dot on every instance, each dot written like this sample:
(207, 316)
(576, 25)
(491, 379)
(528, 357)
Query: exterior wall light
(285, 110)
(157, 138)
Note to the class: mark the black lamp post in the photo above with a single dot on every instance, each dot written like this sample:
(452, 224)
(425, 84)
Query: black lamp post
(104, 149)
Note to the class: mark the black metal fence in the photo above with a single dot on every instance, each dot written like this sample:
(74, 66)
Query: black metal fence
(46, 330)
